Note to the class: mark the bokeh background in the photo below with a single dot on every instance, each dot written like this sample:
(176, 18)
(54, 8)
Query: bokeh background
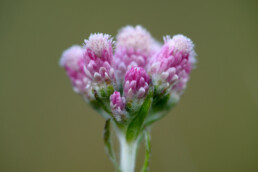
(45, 127)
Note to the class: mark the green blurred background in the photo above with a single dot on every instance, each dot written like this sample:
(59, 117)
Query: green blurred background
(45, 127)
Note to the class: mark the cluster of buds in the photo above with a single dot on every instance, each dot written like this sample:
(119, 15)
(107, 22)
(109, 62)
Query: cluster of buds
(134, 87)
(121, 82)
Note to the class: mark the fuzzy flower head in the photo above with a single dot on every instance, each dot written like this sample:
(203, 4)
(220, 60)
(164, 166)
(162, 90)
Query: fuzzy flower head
(98, 57)
(72, 61)
(134, 40)
(180, 43)
(172, 63)
(184, 46)
(72, 58)
(134, 47)
(100, 45)
(117, 104)
(136, 83)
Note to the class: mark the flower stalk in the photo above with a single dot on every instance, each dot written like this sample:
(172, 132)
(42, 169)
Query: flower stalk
(127, 154)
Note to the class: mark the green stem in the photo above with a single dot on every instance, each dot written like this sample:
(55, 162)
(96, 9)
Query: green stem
(127, 154)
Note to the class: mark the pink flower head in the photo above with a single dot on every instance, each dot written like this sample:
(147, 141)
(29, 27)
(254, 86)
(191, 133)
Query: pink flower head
(98, 58)
(133, 48)
(136, 40)
(117, 104)
(172, 63)
(72, 61)
(186, 47)
(136, 83)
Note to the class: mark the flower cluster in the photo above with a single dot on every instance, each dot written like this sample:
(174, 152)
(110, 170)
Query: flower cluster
(133, 85)
(122, 81)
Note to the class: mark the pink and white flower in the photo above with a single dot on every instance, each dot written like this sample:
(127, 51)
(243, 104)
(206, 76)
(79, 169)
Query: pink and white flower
(171, 66)
(98, 57)
(72, 61)
(98, 75)
(134, 47)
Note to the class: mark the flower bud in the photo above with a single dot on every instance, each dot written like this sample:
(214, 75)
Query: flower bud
(135, 40)
(186, 46)
(172, 63)
(136, 83)
(72, 61)
(98, 60)
(133, 48)
(117, 104)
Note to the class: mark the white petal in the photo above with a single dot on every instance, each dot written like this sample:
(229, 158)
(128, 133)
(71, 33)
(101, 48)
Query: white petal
(111, 72)
(141, 92)
(164, 75)
(75, 89)
(133, 84)
(87, 86)
(175, 77)
(127, 85)
(78, 82)
(102, 70)
(130, 93)
(87, 72)
(86, 80)
(171, 70)
(142, 81)
(122, 67)
(106, 76)
(97, 76)
(154, 67)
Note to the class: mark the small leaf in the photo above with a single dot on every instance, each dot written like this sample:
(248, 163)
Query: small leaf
(160, 108)
(145, 167)
(160, 103)
(106, 133)
(108, 145)
(135, 126)
(98, 107)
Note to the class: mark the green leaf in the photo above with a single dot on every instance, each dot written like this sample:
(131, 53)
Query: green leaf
(160, 103)
(136, 124)
(145, 167)
(98, 107)
(108, 144)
